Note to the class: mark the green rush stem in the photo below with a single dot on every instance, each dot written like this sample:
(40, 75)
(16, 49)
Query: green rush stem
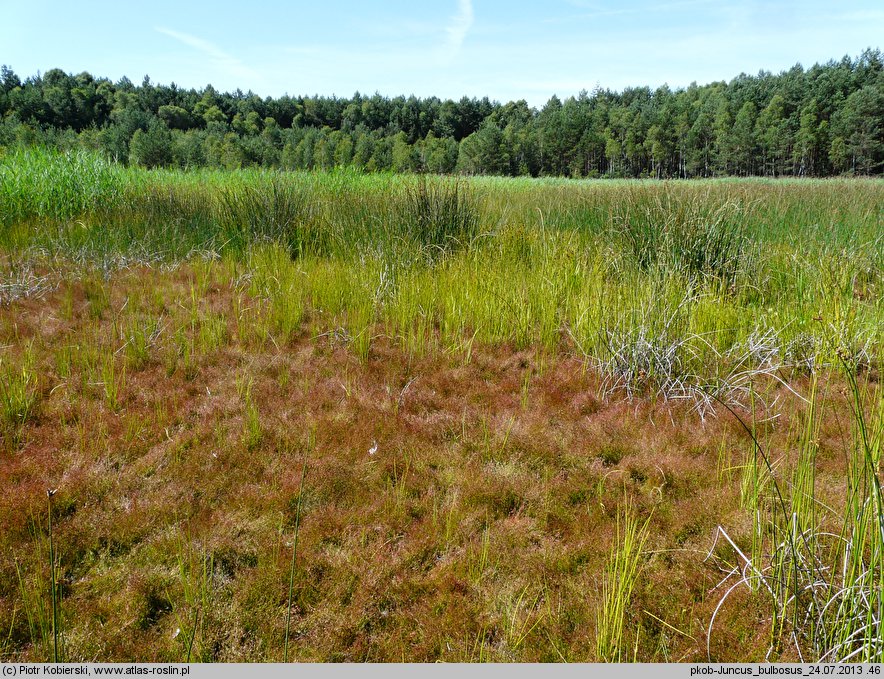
(196, 619)
(288, 612)
(52, 578)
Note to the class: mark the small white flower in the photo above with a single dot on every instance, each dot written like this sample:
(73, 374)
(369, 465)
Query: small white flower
(374, 448)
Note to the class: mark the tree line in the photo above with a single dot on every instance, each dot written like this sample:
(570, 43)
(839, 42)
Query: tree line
(821, 121)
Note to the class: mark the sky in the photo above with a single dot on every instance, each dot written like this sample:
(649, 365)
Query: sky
(506, 50)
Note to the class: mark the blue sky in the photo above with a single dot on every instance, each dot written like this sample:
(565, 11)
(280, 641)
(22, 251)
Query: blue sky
(505, 50)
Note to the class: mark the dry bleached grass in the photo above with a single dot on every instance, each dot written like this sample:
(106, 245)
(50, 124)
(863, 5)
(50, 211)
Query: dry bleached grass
(512, 397)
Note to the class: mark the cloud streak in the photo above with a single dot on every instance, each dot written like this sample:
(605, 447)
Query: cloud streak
(220, 58)
(457, 29)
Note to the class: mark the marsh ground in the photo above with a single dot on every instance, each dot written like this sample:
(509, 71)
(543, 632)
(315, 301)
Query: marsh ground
(478, 410)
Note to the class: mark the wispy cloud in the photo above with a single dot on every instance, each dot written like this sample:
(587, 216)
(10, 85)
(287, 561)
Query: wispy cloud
(220, 58)
(458, 28)
(395, 45)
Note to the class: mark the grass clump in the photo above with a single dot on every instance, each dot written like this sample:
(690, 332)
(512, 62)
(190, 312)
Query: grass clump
(270, 209)
(439, 216)
(252, 432)
(18, 399)
(620, 577)
(276, 280)
(818, 570)
(196, 579)
(694, 237)
(113, 380)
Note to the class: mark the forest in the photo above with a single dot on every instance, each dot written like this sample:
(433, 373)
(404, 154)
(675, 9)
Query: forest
(821, 121)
